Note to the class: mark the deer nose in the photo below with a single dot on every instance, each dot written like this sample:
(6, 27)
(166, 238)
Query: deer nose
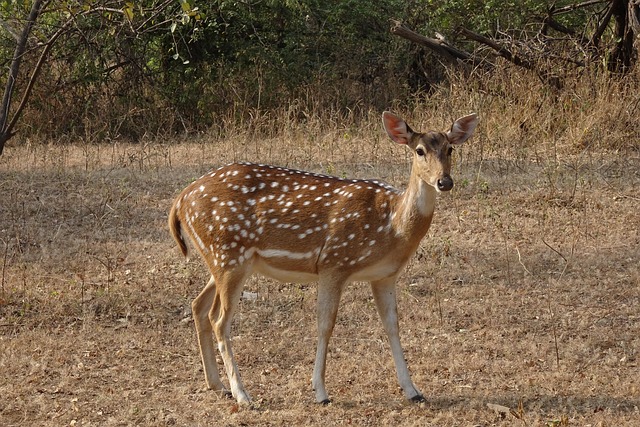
(445, 183)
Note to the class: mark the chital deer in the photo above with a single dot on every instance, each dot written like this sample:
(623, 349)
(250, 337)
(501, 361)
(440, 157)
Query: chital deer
(297, 226)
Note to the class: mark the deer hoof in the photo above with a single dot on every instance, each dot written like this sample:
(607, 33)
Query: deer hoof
(418, 398)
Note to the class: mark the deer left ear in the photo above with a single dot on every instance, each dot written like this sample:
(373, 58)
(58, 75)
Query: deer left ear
(462, 129)
(397, 129)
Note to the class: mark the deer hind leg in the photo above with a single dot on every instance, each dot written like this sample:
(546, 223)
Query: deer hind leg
(384, 294)
(200, 307)
(225, 304)
(327, 309)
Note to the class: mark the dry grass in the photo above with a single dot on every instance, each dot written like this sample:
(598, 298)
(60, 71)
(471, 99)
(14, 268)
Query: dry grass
(524, 293)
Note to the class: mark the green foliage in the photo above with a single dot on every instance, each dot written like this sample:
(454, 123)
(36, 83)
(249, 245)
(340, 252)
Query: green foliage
(487, 17)
(265, 52)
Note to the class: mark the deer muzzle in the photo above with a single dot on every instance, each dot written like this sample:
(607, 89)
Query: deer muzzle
(445, 183)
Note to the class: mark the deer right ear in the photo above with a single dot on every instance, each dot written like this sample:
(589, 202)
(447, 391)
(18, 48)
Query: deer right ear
(396, 128)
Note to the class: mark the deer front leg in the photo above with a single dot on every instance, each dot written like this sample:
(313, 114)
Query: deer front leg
(327, 309)
(384, 294)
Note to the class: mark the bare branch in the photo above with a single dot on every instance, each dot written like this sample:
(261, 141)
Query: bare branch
(448, 53)
(106, 9)
(572, 7)
(501, 50)
(157, 12)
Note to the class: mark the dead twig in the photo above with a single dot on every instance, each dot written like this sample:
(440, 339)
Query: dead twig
(554, 250)
(447, 52)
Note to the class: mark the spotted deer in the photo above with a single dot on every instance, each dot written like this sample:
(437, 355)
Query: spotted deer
(296, 226)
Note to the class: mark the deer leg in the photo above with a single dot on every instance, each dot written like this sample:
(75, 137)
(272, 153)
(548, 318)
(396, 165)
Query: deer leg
(384, 294)
(225, 304)
(327, 309)
(200, 308)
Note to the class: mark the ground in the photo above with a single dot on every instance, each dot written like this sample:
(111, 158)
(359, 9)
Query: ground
(521, 306)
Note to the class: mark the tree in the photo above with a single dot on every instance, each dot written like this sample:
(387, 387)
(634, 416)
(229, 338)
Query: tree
(109, 29)
(6, 125)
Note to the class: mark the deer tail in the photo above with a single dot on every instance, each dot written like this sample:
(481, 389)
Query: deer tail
(176, 230)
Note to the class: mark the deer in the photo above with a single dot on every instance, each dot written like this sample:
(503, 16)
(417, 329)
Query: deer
(299, 227)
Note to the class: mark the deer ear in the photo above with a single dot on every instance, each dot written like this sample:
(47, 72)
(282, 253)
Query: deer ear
(462, 129)
(396, 128)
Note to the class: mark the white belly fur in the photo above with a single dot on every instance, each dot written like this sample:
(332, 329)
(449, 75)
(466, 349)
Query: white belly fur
(263, 267)
(380, 270)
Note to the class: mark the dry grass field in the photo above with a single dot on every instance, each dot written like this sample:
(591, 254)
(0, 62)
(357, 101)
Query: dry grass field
(521, 307)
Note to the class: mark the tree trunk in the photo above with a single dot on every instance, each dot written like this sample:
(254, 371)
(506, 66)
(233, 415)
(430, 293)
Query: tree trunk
(6, 130)
(621, 57)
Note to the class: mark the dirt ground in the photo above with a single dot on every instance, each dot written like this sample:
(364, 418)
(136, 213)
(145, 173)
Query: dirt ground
(521, 307)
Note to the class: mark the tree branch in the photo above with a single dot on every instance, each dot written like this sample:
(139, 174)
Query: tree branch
(572, 7)
(502, 51)
(34, 76)
(595, 39)
(448, 53)
(153, 16)
(545, 76)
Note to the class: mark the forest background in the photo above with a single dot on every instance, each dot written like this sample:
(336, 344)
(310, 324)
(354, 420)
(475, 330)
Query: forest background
(106, 70)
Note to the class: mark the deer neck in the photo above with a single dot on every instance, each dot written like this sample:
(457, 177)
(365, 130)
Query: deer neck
(414, 208)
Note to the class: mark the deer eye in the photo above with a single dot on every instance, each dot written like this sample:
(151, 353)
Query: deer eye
(420, 152)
